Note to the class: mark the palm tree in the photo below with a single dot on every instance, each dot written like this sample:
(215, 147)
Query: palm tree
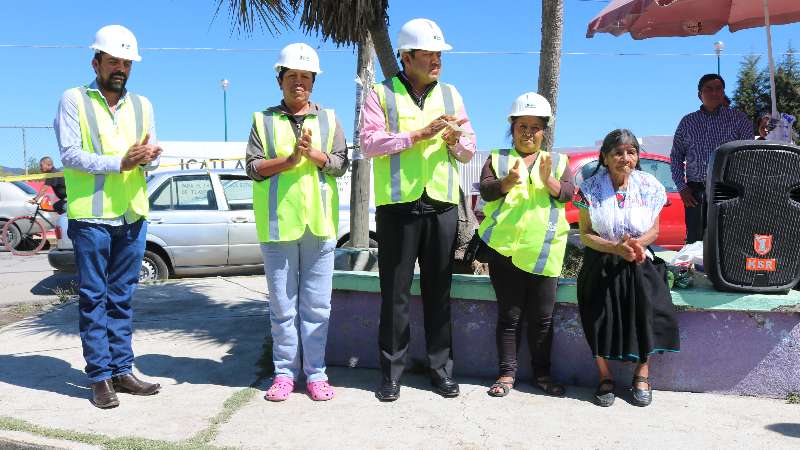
(345, 22)
(550, 59)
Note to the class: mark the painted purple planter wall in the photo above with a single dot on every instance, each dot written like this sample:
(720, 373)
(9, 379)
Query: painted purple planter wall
(727, 352)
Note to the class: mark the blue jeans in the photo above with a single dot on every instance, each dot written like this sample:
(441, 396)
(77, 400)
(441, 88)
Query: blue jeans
(299, 278)
(108, 259)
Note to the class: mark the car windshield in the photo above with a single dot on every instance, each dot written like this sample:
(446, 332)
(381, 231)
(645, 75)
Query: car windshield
(25, 188)
(659, 169)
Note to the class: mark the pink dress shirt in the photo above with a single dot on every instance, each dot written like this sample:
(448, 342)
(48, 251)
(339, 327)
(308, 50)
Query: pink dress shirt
(376, 141)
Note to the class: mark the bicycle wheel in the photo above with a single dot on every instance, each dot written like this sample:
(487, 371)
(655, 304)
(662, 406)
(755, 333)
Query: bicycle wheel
(32, 236)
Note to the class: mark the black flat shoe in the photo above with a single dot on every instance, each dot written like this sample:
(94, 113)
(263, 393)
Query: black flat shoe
(641, 397)
(604, 395)
(549, 387)
(445, 387)
(389, 391)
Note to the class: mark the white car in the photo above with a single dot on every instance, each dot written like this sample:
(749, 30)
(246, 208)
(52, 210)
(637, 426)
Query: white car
(200, 222)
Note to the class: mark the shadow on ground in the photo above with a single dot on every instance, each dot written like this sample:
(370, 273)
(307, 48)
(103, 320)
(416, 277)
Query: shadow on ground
(58, 282)
(786, 429)
(189, 319)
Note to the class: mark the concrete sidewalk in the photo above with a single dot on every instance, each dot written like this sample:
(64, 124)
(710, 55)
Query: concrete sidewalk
(206, 341)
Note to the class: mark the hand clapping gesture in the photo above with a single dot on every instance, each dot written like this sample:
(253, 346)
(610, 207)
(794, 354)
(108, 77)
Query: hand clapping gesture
(515, 176)
(545, 167)
(301, 148)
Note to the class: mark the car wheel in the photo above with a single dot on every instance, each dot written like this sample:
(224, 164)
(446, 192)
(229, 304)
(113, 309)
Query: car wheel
(344, 241)
(10, 237)
(153, 268)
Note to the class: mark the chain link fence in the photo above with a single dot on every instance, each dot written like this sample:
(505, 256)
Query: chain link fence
(24, 145)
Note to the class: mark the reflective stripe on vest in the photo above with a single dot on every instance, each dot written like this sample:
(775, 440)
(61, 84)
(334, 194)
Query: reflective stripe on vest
(502, 163)
(551, 223)
(390, 102)
(322, 128)
(99, 181)
(272, 206)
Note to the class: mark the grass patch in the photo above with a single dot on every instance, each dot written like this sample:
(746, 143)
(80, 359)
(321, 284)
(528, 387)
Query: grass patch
(121, 443)
(793, 398)
(66, 293)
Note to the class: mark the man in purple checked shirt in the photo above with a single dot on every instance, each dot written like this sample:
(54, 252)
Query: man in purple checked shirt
(699, 134)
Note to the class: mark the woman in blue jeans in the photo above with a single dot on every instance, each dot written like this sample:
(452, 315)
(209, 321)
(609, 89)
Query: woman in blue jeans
(295, 151)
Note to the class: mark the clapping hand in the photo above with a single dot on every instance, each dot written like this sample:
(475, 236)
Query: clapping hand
(137, 154)
(451, 135)
(545, 166)
(514, 177)
(432, 129)
(301, 148)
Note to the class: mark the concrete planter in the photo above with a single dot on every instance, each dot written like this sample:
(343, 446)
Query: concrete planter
(730, 343)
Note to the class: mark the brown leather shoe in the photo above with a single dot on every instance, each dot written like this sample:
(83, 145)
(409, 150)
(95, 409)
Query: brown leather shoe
(129, 384)
(103, 395)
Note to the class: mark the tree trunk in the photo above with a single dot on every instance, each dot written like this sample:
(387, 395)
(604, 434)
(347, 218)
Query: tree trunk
(550, 60)
(359, 181)
(384, 50)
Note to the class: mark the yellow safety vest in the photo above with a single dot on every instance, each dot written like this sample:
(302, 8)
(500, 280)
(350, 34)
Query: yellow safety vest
(527, 223)
(427, 165)
(108, 195)
(288, 202)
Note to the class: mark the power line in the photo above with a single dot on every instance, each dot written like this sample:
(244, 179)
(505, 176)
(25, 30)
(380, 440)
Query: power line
(476, 52)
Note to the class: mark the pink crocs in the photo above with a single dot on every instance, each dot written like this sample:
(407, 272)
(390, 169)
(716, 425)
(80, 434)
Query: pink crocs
(320, 391)
(280, 389)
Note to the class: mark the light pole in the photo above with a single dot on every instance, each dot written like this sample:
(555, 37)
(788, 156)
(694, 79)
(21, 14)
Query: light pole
(225, 83)
(718, 47)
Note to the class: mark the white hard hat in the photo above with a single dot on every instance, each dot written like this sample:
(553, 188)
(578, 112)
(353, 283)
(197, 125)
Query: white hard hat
(421, 34)
(530, 104)
(298, 56)
(118, 42)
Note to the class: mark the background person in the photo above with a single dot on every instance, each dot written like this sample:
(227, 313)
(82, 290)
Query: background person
(698, 135)
(623, 297)
(415, 156)
(295, 151)
(525, 227)
(57, 184)
(762, 125)
(106, 136)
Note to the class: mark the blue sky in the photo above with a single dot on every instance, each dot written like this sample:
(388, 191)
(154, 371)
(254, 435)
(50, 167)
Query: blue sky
(647, 93)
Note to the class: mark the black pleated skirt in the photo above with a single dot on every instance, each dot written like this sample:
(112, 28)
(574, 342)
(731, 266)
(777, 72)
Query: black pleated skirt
(626, 308)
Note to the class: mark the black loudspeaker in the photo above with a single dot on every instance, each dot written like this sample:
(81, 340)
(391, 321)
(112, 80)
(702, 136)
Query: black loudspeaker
(752, 241)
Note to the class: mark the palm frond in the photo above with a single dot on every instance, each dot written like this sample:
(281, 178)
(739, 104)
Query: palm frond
(246, 15)
(342, 21)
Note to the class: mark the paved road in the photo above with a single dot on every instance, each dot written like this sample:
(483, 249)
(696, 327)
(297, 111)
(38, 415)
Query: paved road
(29, 279)
(202, 339)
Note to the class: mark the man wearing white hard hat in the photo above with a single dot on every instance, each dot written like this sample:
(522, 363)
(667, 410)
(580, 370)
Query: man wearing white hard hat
(526, 189)
(295, 153)
(107, 140)
(416, 131)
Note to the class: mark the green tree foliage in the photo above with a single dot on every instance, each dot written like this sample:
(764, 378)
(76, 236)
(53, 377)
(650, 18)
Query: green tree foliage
(752, 89)
(33, 165)
(752, 94)
(787, 85)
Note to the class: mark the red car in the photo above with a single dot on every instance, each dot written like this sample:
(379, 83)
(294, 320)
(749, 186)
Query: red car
(672, 228)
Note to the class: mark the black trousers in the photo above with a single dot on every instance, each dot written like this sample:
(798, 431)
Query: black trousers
(696, 216)
(522, 296)
(404, 237)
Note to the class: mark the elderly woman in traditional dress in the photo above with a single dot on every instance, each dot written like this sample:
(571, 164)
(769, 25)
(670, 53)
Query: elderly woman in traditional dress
(623, 297)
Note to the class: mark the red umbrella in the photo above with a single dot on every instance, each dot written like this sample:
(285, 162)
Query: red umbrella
(659, 18)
